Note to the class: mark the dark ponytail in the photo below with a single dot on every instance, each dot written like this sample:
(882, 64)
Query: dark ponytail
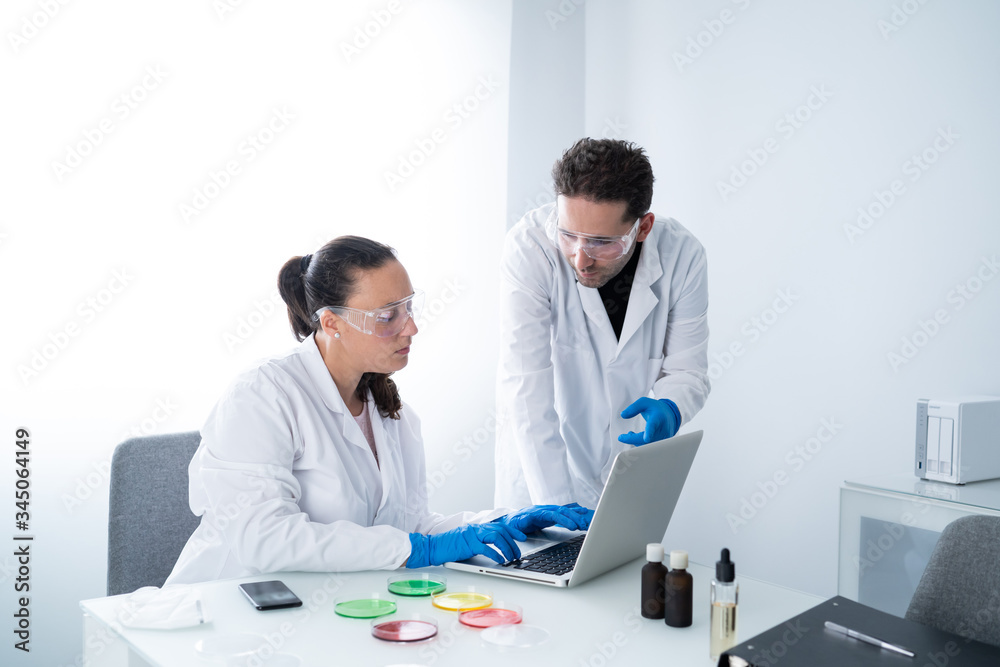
(328, 278)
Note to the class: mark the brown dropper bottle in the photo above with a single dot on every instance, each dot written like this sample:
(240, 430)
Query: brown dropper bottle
(678, 592)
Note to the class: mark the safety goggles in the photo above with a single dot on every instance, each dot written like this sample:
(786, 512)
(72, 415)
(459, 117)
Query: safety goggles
(383, 322)
(602, 248)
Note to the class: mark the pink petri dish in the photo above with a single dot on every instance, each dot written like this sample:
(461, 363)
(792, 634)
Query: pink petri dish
(406, 629)
(499, 614)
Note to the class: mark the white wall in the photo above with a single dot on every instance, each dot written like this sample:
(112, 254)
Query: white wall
(791, 229)
(156, 356)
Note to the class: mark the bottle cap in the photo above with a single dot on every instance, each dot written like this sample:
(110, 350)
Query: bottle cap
(678, 560)
(725, 569)
(654, 552)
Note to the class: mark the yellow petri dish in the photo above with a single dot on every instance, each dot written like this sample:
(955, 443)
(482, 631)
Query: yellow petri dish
(462, 599)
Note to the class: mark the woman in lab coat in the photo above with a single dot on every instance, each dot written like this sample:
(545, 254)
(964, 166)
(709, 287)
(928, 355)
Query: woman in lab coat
(311, 462)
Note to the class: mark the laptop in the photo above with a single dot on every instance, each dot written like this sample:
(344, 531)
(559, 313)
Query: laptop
(634, 510)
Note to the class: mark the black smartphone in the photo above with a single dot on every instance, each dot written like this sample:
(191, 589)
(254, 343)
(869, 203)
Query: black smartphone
(270, 595)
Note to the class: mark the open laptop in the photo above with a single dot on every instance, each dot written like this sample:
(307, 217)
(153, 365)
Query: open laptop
(634, 510)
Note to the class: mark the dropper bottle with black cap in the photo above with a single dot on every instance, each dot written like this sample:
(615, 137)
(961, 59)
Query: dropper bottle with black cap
(725, 594)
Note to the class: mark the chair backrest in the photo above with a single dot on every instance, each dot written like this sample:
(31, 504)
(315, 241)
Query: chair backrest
(149, 519)
(959, 591)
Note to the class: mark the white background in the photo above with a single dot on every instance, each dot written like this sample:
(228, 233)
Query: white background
(195, 286)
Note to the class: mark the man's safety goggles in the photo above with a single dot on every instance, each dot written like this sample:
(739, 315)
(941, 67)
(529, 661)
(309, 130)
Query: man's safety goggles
(383, 322)
(602, 248)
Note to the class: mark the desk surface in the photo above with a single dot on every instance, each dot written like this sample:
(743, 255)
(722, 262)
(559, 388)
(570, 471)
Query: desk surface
(594, 624)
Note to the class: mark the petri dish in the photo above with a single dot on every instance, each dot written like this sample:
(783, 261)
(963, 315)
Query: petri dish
(232, 645)
(515, 636)
(404, 628)
(416, 585)
(501, 613)
(462, 599)
(372, 605)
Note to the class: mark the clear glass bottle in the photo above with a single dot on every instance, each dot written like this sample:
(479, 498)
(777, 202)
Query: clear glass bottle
(653, 573)
(725, 595)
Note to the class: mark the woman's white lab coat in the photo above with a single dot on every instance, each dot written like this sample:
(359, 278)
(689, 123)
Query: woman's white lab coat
(563, 376)
(285, 480)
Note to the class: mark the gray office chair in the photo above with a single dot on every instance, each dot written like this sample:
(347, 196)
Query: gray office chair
(149, 519)
(959, 591)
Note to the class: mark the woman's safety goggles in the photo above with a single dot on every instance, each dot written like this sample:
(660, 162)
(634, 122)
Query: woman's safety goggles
(601, 248)
(383, 322)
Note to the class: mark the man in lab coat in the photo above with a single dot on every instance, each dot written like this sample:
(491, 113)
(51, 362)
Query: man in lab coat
(603, 329)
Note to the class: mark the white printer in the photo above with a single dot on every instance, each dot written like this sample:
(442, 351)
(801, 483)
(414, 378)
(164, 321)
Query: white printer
(958, 440)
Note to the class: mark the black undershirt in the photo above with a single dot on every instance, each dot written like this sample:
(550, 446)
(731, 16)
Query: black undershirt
(615, 293)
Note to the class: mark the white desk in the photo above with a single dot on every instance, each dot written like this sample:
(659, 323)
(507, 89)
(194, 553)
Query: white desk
(593, 625)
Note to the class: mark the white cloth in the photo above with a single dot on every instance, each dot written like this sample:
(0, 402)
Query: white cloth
(284, 480)
(563, 377)
(164, 608)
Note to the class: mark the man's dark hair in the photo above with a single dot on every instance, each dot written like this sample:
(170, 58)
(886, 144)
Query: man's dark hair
(606, 170)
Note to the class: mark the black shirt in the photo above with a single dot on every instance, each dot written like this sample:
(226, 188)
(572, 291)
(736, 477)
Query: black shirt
(615, 293)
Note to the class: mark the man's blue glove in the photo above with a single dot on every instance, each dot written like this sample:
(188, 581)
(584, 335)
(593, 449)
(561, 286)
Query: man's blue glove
(536, 517)
(462, 543)
(662, 420)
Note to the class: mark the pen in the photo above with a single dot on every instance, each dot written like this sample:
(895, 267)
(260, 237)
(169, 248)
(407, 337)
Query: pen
(869, 639)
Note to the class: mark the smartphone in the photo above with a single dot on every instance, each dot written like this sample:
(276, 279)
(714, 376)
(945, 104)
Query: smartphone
(270, 595)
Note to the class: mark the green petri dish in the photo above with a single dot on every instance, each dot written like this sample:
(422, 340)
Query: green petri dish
(372, 607)
(416, 585)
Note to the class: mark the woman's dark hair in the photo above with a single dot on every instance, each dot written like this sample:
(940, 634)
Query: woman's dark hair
(606, 170)
(329, 277)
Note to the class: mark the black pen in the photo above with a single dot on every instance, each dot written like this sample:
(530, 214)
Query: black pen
(868, 639)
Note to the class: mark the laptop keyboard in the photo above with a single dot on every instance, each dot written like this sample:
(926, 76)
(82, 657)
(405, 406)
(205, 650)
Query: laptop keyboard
(557, 559)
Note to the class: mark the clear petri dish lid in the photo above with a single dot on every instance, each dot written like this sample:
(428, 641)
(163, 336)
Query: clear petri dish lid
(515, 636)
(243, 649)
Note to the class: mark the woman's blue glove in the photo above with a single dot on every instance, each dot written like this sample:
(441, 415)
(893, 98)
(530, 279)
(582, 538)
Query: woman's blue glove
(662, 420)
(536, 517)
(462, 543)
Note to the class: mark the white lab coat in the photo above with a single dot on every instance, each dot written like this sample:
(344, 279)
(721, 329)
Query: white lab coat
(285, 480)
(563, 378)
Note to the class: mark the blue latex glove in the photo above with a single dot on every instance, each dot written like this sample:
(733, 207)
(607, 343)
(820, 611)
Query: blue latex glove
(536, 517)
(662, 420)
(462, 543)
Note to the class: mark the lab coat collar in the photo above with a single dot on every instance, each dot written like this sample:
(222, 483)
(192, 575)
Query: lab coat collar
(642, 300)
(320, 375)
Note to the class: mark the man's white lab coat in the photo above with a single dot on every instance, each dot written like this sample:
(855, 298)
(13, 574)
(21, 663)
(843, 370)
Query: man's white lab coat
(563, 377)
